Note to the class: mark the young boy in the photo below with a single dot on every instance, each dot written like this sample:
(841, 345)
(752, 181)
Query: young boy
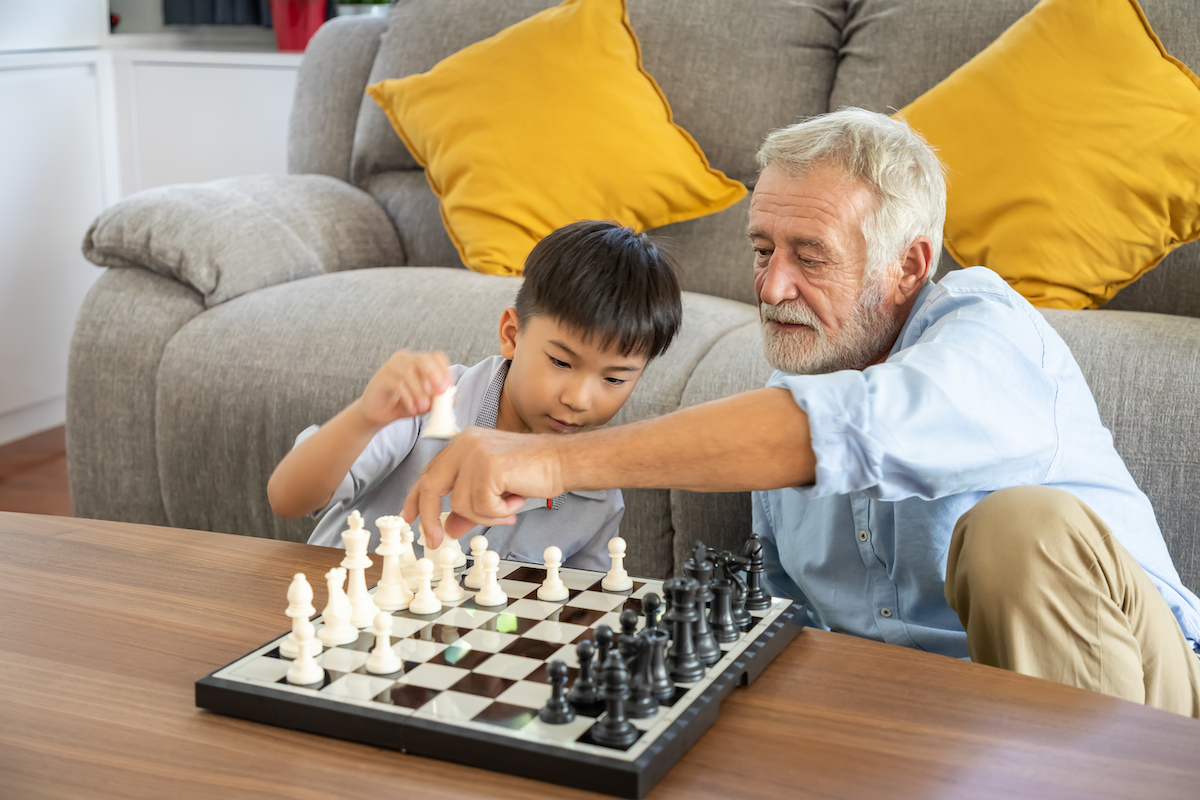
(598, 302)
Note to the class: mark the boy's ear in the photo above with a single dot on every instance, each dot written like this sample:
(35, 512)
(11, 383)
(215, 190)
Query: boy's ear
(509, 325)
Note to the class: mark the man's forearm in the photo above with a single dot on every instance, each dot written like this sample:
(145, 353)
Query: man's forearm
(755, 440)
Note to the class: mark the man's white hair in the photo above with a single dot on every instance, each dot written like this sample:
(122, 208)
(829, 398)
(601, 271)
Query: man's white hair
(890, 158)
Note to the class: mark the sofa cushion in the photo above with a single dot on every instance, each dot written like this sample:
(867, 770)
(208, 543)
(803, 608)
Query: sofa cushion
(1073, 148)
(228, 237)
(1144, 371)
(730, 77)
(550, 121)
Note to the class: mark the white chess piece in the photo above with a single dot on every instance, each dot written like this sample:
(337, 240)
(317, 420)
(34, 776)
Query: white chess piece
(448, 590)
(392, 594)
(336, 616)
(363, 609)
(474, 577)
(617, 579)
(383, 659)
(453, 545)
(442, 424)
(304, 669)
(553, 588)
(490, 594)
(426, 601)
(300, 607)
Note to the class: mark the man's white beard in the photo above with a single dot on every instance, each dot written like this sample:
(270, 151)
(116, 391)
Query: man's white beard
(812, 352)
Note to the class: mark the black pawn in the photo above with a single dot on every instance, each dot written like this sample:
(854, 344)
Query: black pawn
(682, 662)
(661, 684)
(557, 710)
(614, 728)
(756, 598)
(744, 618)
(584, 693)
(604, 643)
(627, 641)
(724, 627)
(652, 608)
(642, 702)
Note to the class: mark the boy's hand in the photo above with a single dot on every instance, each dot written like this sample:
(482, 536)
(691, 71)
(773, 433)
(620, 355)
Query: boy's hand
(404, 387)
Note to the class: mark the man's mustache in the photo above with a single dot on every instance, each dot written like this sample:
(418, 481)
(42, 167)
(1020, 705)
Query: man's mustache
(790, 313)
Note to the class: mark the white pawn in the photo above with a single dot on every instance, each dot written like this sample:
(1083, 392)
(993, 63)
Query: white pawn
(336, 616)
(553, 588)
(392, 594)
(617, 579)
(363, 609)
(300, 607)
(426, 601)
(474, 577)
(453, 545)
(383, 659)
(305, 669)
(490, 593)
(442, 424)
(448, 591)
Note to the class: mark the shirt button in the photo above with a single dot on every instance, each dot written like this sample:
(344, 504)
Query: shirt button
(887, 612)
(862, 536)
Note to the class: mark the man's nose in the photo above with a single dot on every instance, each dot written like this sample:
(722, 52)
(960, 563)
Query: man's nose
(777, 281)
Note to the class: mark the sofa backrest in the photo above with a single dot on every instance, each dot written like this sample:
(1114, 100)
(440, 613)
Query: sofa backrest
(732, 72)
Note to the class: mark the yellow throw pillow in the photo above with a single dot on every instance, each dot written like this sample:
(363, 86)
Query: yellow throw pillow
(1073, 143)
(550, 121)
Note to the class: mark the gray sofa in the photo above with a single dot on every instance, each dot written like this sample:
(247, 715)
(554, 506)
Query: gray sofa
(182, 398)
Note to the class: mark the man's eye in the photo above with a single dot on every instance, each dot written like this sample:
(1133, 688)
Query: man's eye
(761, 253)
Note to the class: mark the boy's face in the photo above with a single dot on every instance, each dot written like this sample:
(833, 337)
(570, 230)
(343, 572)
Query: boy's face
(558, 382)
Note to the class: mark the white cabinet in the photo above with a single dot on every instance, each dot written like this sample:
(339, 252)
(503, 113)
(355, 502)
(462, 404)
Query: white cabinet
(57, 172)
(80, 129)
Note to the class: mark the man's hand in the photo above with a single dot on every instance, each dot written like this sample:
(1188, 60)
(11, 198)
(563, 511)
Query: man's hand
(488, 475)
(404, 387)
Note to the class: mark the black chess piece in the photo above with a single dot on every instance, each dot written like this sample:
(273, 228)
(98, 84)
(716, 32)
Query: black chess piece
(614, 728)
(557, 710)
(700, 568)
(627, 641)
(682, 662)
(724, 627)
(584, 692)
(604, 643)
(734, 567)
(756, 598)
(661, 684)
(652, 608)
(642, 702)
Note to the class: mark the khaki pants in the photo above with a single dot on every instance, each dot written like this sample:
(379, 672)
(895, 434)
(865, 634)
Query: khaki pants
(1043, 588)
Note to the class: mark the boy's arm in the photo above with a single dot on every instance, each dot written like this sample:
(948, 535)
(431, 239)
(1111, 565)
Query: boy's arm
(307, 477)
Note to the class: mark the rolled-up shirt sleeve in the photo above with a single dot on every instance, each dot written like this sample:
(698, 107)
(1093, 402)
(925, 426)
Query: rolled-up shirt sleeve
(964, 405)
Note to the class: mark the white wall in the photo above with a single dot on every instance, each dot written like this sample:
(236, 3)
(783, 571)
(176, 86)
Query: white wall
(50, 24)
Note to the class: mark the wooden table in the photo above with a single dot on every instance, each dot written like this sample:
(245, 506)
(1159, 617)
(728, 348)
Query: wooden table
(105, 626)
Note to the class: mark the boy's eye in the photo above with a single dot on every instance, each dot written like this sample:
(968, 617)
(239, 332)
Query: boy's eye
(557, 363)
(615, 381)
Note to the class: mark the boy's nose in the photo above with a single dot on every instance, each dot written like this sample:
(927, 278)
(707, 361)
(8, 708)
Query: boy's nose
(576, 396)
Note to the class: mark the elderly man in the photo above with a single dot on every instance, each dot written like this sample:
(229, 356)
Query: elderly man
(928, 465)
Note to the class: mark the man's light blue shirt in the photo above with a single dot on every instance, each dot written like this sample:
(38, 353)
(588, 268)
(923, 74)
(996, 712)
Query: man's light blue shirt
(979, 393)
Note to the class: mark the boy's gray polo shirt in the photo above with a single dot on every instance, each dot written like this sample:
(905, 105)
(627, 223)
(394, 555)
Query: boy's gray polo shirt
(579, 523)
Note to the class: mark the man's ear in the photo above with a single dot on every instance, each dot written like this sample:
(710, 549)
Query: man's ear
(914, 270)
(509, 325)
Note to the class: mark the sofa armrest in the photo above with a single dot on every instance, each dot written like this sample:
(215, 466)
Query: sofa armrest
(228, 237)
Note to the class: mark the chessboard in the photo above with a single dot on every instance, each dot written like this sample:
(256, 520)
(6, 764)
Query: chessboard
(474, 679)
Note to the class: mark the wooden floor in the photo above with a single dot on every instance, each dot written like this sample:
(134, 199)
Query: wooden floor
(33, 474)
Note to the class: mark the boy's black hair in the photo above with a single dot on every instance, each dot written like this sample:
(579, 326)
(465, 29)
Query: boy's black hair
(610, 284)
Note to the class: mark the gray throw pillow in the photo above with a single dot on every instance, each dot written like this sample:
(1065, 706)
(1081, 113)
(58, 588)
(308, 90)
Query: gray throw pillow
(228, 237)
